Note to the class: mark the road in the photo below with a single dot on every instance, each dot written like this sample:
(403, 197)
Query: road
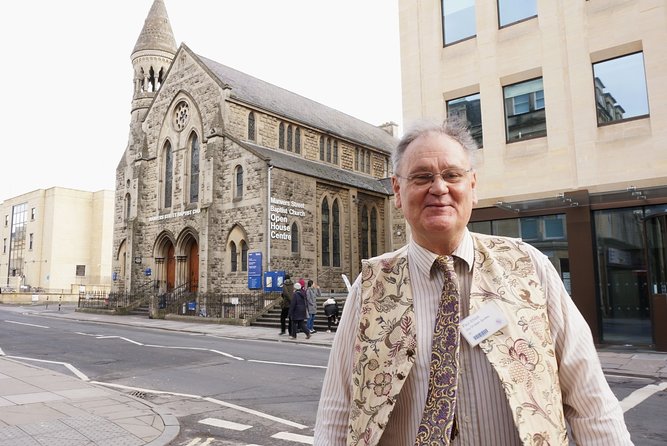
(230, 391)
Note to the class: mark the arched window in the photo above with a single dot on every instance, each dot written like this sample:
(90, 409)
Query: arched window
(363, 240)
(328, 150)
(297, 140)
(238, 190)
(335, 232)
(128, 206)
(321, 148)
(374, 232)
(194, 169)
(325, 233)
(281, 136)
(244, 256)
(289, 138)
(168, 174)
(251, 126)
(356, 159)
(233, 259)
(335, 152)
(368, 162)
(295, 238)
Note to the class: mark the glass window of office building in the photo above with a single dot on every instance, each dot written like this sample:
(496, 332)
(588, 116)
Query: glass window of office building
(620, 88)
(513, 11)
(458, 20)
(546, 233)
(525, 115)
(468, 109)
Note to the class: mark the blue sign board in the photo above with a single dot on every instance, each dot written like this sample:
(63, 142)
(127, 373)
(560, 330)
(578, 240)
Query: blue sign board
(255, 270)
(254, 282)
(114, 276)
(147, 272)
(255, 263)
(273, 281)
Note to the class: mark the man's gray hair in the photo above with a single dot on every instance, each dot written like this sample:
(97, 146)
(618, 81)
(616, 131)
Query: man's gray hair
(456, 129)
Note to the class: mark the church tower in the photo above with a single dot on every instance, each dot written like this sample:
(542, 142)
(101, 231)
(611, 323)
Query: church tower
(151, 57)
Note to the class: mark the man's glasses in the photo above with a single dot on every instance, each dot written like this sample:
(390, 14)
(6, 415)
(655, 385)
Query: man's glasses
(452, 175)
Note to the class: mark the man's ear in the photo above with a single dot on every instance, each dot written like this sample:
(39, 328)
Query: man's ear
(473, 183)
(396, 187)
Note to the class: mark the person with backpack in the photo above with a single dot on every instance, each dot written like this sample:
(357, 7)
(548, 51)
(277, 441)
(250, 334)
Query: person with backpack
(331, 311)
(285, 300)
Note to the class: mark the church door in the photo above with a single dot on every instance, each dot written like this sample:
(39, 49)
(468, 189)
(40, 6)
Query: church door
(171, 268)
(193, 267)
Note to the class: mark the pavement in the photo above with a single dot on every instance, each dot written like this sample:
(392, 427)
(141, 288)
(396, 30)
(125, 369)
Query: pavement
(40, 407)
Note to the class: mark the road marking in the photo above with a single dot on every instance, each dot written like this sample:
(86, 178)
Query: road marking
(210, 400)
(122, 338)
(256, 413)
(225, 424)
(2, 353)
(29, 325)
(195, 442)
(71, 368)
(639, 395)
(293, 437)
(289, 364)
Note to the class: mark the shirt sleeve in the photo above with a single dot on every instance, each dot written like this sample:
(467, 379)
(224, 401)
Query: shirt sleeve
(591, 409)
(331, 424)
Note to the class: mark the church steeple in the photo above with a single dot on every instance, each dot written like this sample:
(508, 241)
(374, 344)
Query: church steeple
(153, 53)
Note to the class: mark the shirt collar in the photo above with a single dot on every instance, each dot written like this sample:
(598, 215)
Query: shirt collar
(423, 258)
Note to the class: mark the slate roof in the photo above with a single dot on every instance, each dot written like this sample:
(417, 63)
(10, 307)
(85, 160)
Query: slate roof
(293, 163)
(266, 96)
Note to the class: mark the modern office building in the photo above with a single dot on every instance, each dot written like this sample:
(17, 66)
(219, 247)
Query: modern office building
(226, 177)
(56, 239)
(568, 103)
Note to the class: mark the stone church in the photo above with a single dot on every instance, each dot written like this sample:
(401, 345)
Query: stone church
(226, 176)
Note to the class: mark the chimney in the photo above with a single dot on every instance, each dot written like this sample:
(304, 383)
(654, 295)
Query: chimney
(390, 127)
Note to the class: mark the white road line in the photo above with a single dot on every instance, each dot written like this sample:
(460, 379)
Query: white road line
(256, 413)
(288, 363)
(121, 338)
(639, 395)
(293, 437)
(139, 389)
(225, 424)
(2, 353)
(29, 325)
(73, 369)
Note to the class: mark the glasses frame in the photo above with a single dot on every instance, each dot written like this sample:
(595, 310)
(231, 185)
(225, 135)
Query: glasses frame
(412, 178)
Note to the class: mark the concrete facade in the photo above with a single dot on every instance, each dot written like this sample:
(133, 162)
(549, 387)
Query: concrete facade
(252, 185)
(48, 233)
(604, 181)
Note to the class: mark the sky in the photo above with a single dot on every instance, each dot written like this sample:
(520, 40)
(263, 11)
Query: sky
(67, 73)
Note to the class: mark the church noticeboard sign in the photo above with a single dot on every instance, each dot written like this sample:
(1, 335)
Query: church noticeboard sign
(280, 213)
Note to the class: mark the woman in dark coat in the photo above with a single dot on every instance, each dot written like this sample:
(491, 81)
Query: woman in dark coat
(298, 311)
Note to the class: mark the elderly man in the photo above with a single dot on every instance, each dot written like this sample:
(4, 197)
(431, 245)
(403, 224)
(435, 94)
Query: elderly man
(460, 338)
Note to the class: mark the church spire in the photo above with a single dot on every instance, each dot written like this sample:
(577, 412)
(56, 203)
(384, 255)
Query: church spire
(153, 52)
(156, 33)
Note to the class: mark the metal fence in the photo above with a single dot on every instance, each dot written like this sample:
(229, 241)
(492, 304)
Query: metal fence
(244, 306)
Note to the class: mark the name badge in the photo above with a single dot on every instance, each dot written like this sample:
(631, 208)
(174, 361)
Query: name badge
(482, 324)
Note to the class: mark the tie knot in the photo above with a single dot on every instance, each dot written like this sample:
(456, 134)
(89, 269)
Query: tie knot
(444, 263)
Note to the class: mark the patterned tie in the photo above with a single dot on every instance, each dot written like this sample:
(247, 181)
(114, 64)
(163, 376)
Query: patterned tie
(437, 421)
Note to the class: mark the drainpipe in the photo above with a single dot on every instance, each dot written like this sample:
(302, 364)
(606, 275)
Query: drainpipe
(268, 219)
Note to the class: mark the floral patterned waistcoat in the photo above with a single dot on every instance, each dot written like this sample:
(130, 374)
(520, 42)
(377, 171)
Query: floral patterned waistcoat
(522, 353)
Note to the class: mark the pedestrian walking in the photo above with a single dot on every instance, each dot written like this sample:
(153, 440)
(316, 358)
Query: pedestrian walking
(298, 310)
(285, 300)
(312, 293)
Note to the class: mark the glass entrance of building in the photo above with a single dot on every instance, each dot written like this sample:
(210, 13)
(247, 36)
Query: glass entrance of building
(622, 273)
(656, 249)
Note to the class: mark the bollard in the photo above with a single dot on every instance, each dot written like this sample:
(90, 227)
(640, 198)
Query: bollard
(47, 302)
(60, 300)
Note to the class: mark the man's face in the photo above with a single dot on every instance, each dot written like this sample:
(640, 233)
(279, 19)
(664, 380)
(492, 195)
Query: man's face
(437, 211)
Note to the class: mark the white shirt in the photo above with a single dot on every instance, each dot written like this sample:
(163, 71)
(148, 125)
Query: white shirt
(483, 413)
